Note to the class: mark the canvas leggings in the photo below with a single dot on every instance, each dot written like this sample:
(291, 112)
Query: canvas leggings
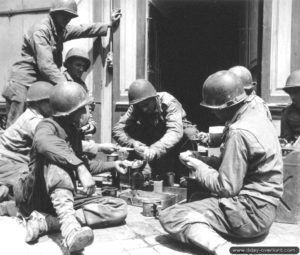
(93, 211)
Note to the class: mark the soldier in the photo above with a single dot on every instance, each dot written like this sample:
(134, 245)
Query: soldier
(76, 63)
(48, 193)
(155, 125)
(41, 55)
(240, 196)
(16, 141)
(290, 118)
(244, 74)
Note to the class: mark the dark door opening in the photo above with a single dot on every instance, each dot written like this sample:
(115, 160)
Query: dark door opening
(188, 41)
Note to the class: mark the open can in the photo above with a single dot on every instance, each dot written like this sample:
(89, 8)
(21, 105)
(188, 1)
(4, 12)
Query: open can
(109, 191)
(113, 157)
(170, 179)
(151, 209)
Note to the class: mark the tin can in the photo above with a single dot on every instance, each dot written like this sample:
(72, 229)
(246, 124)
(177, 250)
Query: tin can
(113, 157)
(151, 209)
(109, 191)
(170, 178)
(158, 186)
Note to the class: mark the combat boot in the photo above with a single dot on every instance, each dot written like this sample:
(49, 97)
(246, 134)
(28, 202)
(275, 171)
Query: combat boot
(8, 208)
(79, 238)
(76, 238)
(203, 236)
(39, 224)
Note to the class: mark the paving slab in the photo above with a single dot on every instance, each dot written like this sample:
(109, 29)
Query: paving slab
(139, 236)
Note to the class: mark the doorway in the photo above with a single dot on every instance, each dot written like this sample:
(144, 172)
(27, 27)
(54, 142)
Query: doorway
(187, 41)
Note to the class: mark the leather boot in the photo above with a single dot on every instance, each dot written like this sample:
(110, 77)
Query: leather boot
(39, 224)
(8, 208)
(75, 237)
(203, 236)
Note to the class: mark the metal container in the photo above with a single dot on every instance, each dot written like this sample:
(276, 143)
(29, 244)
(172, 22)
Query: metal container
(170, 179)
(138, 197)
(151, 209)
(158, 186)
(109, 191)
(113, 156)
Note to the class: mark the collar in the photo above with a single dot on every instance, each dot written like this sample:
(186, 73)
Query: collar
(36, 113)
(68, 76)
(62, 130)
(52, 25)
(240, 111)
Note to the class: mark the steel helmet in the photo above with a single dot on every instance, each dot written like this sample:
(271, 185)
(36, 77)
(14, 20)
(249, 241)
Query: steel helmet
(68, 97)
(77, 53)
(222, 89)
(244, 74)
(68, 6)
(293, 81)
(38, 91)
(140, 90)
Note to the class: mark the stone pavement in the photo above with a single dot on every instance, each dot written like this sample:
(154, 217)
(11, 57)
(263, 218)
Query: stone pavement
(140, 236)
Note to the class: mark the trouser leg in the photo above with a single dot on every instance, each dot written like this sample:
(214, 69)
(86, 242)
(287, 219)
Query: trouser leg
(103, 212)
(60, 187)
(15, 110)
(15, 96)
(76, 238)
(63, 202)
(189, 226)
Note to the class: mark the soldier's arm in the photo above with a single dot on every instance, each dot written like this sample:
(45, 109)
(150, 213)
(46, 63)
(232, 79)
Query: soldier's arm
(85, 31)
(124, 128)
(174, 130)
(228, 180)
(44, 58)
(54, 148)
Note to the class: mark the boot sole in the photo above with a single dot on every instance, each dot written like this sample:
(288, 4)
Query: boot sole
(81, 240)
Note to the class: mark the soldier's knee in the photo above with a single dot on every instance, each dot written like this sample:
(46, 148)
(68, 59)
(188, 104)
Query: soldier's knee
(58, 178)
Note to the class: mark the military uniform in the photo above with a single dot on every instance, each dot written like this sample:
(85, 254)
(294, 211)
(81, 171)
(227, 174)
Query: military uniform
(79, 81)
(91, 122)
(164, 131)
(56, 154)
(41, 58)
(240, 198)
(15, 145)
(261, 104)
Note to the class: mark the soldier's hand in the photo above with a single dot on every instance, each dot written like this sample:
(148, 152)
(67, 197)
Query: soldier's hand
(203, 137)
(183, 156)
(121, 166)
(115, 17)
(88, 129)
(193, 163)
(4, 190)
(149, 154)
(107, 147)
(139, 148)
(86, 180)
